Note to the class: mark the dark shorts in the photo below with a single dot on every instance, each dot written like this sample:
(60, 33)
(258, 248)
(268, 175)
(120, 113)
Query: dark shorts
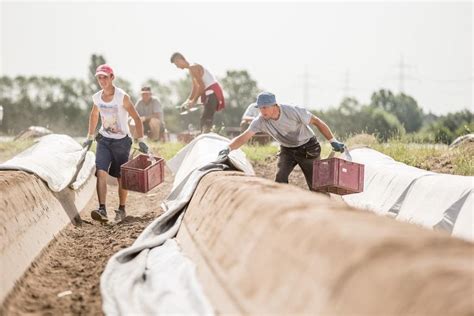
(207, 116)
(111, 154)
(303, 156)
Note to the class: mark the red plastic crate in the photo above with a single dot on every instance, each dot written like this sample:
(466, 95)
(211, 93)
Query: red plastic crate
(140, 175)
(339, 176)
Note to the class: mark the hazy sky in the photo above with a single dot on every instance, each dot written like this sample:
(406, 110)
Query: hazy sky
(345, 47)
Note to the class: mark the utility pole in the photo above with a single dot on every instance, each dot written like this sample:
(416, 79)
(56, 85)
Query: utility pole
(401, 74)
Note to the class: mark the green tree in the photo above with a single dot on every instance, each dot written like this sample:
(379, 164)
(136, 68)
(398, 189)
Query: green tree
(441, 133)
(240, 90)
(404, 107)
(381, 123)
(350, 118)
(95, 61)
(179, 91)
(447, 127)
(51, 102)
(126, 86)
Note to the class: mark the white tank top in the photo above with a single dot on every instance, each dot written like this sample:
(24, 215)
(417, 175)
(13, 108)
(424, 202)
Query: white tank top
(208, 78)
(113, 115)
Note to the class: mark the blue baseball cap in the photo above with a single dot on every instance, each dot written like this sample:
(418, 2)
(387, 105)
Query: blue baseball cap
(265, 99)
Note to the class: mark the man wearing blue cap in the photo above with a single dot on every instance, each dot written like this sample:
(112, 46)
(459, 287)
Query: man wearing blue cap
(289, 126)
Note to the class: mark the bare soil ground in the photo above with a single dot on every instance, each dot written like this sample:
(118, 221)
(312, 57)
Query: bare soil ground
(75, 259)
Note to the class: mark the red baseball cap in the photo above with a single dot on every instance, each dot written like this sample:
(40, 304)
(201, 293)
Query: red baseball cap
(104, 70)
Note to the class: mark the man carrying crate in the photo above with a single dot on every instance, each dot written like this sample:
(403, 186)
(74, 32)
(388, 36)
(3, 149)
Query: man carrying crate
(113, 141)
(289, 126)
(205, 85)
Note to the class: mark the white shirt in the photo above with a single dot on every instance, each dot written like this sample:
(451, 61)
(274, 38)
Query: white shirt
(208, 78)
(251, 111)
(113, 115)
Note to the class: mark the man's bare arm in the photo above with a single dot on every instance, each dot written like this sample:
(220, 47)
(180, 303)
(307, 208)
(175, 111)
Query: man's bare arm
(196, 72)
(240, 140)
(128, 105)
(322, 127)
(93, 120)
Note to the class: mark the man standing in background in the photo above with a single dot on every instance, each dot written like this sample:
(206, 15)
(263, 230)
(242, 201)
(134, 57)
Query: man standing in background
(151, 114)
(205, 86)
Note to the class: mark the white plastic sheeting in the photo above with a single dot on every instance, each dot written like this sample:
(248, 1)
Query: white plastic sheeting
(434, 200)
(199, 153)
(55, 159)
(152, 277)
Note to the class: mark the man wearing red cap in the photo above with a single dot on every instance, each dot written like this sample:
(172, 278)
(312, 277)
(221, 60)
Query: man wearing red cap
(205, 86)
(113, 141)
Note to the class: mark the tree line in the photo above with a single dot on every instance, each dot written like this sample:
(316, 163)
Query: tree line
(390, 115)
(63, 105)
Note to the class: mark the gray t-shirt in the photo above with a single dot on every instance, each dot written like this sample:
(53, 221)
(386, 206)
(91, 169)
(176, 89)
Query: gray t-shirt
(251, 111)
(291, 129)
(147, 109)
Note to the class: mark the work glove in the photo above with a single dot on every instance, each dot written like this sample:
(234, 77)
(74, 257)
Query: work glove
(185, 105)
(223, 154)
(88, 142)
(142, 147)
(337, 145)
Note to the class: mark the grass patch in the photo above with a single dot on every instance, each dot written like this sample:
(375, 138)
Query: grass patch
(412, 154)
(434, 157)
(256, 153)
(165, 150)
(463, 162)
(11, 148)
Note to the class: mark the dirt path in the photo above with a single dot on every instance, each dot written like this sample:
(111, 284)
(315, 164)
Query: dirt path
(76, 258)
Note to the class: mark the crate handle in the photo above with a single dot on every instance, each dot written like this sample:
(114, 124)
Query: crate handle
(346, 153)
(150, 154)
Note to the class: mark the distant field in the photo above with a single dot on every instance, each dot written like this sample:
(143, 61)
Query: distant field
(438, 158)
